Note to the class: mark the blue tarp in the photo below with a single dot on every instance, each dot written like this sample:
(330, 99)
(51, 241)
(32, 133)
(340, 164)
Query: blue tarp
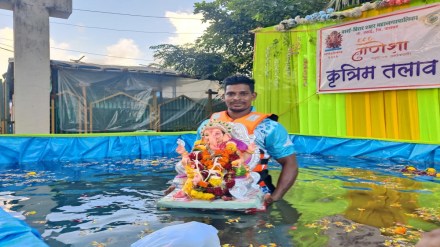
(29, 150)
(367, 148)
(38, 149)
(15, 232)
(16, 149)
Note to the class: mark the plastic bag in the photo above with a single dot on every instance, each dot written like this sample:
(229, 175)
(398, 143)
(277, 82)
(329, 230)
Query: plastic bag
(190, 234)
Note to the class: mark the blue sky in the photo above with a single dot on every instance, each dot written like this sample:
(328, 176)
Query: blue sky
(86, 32)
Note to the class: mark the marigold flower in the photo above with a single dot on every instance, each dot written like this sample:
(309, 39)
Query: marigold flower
(200, 147)
(201, 195)
(223, 161)
(205, 157)
(215, 181)
(400, 230)
(231, 147)
(203, 184)
(431, 171)
(208, 164)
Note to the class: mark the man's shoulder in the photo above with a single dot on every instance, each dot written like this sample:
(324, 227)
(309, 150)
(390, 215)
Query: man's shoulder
(268, 125)
(270, 121)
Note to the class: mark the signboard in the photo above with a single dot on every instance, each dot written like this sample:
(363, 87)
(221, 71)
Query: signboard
(400, 50)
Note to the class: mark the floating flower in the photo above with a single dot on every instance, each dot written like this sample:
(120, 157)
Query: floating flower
(313, 225)
(400, 230)
(431, 172)
(268, 225)
(410, 168)
(31, 174)
(234, 220)
(30, 213)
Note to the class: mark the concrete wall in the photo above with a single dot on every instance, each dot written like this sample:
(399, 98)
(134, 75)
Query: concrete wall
(32, 61)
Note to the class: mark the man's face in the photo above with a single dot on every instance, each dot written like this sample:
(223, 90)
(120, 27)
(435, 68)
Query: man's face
(238, 98)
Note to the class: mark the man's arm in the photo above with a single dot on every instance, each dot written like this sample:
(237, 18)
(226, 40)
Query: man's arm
(289, 172)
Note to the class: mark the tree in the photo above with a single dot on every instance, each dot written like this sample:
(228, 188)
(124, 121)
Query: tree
(226, 47)
(190, 60)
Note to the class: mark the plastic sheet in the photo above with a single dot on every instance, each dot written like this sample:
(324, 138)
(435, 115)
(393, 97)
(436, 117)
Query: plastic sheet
(96, 98)
(14, 232)
(188, 234)
(15, 149)
(92, 98)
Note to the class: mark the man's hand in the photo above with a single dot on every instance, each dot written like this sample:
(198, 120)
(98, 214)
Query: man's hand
(268, 199)
(169, 189)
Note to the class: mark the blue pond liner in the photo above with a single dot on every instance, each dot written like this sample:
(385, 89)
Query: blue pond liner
(26, 149)
(16, 150)
(15, 232)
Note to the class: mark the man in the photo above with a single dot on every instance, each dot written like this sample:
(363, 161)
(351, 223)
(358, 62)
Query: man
(271, 137)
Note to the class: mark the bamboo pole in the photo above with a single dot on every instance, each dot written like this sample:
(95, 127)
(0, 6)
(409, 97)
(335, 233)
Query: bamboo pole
(84, 92)
(91, 117)
(52, 116)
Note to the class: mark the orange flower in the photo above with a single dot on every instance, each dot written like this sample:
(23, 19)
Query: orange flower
(205, 156)
(223, 161)
(400, 230)
(203, 184)
(208, 163)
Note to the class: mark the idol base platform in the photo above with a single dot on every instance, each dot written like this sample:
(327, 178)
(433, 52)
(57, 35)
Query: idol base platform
(253, 202)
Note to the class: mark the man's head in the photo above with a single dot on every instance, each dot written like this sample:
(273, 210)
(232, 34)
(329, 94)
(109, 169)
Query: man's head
(239, 79)
(239, 94)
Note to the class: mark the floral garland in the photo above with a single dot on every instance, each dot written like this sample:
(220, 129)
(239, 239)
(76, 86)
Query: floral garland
(210, 174)
(330, 13)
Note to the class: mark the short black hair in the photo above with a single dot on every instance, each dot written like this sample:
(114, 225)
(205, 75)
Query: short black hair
(239, 79)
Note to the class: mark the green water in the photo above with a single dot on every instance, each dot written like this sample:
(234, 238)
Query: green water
(113, 203)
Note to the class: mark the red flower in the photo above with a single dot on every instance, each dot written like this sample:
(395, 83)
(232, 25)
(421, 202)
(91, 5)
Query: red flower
(233, 157)
(230, 183)
(227, 166)
(193, 156)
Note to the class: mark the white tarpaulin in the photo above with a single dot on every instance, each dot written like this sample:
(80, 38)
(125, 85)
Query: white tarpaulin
(400, 50)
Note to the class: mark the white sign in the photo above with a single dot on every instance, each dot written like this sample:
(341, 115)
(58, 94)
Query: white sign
(400, 50)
